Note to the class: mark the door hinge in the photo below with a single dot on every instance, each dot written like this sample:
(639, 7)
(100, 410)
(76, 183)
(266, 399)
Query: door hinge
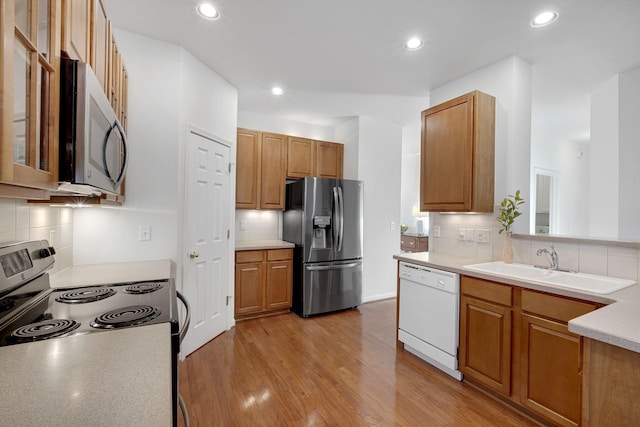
(228, 234)
(228, 298)
(229, 167)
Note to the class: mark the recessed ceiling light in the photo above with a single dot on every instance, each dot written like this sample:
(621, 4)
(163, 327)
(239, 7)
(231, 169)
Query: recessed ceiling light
(413, 44)
(277, 90)
(544, 18)
(207, 11)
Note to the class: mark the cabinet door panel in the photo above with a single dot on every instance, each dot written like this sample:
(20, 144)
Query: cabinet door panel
(76, 28)
(247, 169)
(485, 343)
(301, 157)
(249, 288)
(279, 284)
(100, 44)
(550, 370)
(272, 171)
(329, 163)
(447, 152)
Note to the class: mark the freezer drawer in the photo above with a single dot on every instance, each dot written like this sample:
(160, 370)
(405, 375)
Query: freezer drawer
(329, 287)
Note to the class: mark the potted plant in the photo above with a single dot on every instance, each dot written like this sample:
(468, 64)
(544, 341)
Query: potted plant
(509, 211)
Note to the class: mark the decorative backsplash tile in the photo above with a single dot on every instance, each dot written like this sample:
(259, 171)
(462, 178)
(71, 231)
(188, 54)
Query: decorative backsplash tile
(20, 221)
(593, 257)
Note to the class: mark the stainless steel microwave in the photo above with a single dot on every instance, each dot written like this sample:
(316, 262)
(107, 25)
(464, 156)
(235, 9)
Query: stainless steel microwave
(93, 145)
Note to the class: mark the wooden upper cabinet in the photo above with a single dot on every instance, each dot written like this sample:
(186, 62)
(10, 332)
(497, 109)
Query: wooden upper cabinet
(29, 99)
(457, 155)
(100, 43)
(260, 171)
(247, 163)
(301, 157)
(273, 166)
(307, 157)
(76, 28)
(330, 158)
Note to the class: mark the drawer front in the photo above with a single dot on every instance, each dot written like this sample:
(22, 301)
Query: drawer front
(486, 290)
(249, 256)
(407, 243)
(279, 254)
(554, 307)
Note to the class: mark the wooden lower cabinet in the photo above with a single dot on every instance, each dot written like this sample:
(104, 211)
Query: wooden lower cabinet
(485, 334)
(516, 342)
(263, 282)
(410, 242)
(611, 385)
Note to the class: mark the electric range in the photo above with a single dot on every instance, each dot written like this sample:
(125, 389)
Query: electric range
(31, 311)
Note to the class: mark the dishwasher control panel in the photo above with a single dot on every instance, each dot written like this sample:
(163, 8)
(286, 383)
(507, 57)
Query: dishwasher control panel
(427, 276)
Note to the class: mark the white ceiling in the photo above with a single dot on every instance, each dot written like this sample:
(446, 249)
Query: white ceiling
(320, 51)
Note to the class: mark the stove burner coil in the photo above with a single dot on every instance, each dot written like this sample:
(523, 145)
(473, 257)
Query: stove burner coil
(83, 295)
(143, 288)
(43, 330)
(126, 316)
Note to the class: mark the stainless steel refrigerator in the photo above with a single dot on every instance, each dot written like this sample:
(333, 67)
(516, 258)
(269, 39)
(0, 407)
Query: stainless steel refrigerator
(323, 218)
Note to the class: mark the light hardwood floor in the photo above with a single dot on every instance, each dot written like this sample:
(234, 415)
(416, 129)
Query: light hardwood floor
(340, 369)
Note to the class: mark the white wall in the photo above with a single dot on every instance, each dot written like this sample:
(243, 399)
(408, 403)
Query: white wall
(152, 181)
(629, 214)
(603, 203)
(410, 178)
(347, 133)
(275, 124)
(379, 163)
(169, 90)
(509, 81)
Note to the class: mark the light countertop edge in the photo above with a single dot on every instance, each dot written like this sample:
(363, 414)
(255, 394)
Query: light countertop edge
(250, 245)
(110, 273)
(614, 324)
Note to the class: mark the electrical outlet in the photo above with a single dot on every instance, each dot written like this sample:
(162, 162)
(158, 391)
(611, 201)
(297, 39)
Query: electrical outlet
(243, 225)
(461, 233)
(469, 234)
(393, 225)
(144, 232)
(436, 231)
(52, 236)
(483, 235)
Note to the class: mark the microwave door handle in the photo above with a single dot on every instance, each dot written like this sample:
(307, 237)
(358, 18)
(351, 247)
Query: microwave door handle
(125, 154)
(118, 180)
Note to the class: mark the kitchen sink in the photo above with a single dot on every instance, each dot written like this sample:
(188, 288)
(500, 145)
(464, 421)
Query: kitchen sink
(580, 281)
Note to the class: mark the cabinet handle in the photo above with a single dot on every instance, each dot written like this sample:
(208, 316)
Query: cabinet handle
(279, 266)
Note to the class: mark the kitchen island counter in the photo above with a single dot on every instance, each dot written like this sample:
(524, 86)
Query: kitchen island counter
(121, 378)
(615, 324)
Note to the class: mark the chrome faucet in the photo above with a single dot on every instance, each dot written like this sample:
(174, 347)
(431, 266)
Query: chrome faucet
(552, 256)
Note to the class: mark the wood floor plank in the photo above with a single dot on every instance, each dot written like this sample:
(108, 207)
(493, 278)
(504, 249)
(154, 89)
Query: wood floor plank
(340, 369)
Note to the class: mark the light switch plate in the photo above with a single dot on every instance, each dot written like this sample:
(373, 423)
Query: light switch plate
(144, 232)
(469, 234)
(436, 231)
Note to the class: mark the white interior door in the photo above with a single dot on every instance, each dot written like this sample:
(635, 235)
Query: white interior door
(206, 243)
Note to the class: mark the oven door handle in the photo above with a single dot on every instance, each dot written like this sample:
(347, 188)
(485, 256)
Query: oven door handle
(187, 319)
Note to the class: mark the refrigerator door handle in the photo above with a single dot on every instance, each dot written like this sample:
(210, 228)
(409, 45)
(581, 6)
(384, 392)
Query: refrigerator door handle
(335, 220)
(341, 213)
(332, 267)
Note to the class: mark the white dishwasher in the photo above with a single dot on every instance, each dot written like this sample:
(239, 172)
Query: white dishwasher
(429, 313)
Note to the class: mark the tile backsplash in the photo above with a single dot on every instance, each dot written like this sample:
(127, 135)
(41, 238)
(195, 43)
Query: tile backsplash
(258, 225)
(583, 255)
(20, 221)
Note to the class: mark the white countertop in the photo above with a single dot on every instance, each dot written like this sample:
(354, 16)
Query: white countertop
(120, 272)
(249, 245)
(616, 324)
(115, 378)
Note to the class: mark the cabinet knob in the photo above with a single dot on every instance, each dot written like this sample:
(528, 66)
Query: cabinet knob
(194, 254)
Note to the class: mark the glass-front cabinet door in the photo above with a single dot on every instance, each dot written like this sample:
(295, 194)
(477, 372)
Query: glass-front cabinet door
(29, 58)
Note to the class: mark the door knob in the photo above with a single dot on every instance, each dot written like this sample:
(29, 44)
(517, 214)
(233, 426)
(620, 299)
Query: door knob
(193, 254)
